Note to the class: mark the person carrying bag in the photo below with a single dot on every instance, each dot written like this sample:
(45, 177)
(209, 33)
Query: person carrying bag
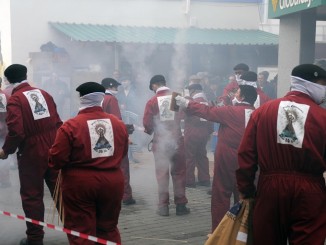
(236, 226)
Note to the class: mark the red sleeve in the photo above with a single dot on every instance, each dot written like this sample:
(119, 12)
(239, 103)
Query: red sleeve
(148, 120)
(248, 160)
(210, 113)
(15, 125)
(228, 93)
(60, 151)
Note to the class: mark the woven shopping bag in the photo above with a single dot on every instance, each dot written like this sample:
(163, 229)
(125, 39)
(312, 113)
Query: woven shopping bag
(236, 226)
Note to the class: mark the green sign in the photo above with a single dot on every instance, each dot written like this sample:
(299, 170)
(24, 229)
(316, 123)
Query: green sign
(277, 8)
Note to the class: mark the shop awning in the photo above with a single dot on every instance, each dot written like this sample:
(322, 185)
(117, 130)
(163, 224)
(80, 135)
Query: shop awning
(164, 35)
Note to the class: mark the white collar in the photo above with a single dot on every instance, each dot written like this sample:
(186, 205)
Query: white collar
(250, 83)
(15, 85)
(199, 95)
(161, 89)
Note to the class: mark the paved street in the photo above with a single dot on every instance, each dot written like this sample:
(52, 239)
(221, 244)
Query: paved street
(138, 224)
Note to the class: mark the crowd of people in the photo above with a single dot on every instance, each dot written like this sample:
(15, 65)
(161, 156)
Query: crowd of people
(270, 149)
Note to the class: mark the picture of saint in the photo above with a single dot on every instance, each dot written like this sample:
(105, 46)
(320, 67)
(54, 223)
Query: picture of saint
(165, 109)
(2, 106)
(102, 142)
(39, 109)
(288, 131)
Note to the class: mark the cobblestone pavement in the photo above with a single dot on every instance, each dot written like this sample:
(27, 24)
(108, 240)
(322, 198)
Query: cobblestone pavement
(138, 224)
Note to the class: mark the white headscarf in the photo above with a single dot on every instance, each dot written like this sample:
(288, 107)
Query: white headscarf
(316, 91)
(250, 83)
(90, 100)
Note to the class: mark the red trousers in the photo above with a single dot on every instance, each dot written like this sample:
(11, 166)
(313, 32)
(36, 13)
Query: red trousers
(196, 157)
(224, 182)
(92, 203)
(166, 158)
(33, 170)
(127, 194)
(290, 206)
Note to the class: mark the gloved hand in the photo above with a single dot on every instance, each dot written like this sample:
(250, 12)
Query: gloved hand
(181, 101)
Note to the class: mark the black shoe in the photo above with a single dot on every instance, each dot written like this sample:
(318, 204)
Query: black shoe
(204, 183)
(181, 209)
(129, 201)
(191, 185)
(163, 211)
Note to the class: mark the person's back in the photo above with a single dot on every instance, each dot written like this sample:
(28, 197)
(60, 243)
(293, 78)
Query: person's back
(89, 149)
(32, 122)
(168, 147)
(77, 127)
(286, 139)
(30, 105)
(292, 147)
(160, 119)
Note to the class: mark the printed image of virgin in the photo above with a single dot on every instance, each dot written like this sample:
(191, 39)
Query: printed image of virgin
(166, 113)
(289, 131)
(102, 142)
(2, 106)
(39, 109)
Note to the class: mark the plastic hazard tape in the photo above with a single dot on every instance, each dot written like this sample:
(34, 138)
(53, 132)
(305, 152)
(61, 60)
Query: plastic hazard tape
(58, 228)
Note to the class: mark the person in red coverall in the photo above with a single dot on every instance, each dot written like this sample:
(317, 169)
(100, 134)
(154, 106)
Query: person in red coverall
(88, 149)
(32, 122)
(232, 87)
(196, 135)
(286, 140)
(168, 146)
(110, 105)
(233, 120)
(5, 166)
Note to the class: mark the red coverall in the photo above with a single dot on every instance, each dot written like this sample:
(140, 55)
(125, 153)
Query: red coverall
(92, 187)
(232, 121)
(4, 166)
(168, 148)
(33, 138)
(110, 105)
(196, 136)
(291, 192)
(230, 90)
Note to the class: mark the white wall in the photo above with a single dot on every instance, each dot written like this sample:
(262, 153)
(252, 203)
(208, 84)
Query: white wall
(30, 18)
(5, 31)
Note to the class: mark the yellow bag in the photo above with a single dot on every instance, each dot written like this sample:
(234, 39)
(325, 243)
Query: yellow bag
(236, 226)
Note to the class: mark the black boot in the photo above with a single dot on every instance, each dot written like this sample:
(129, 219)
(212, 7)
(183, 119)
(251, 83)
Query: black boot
(181, 209)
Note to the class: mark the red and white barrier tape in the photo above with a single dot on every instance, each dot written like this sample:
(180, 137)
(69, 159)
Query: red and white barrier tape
(58, 228)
